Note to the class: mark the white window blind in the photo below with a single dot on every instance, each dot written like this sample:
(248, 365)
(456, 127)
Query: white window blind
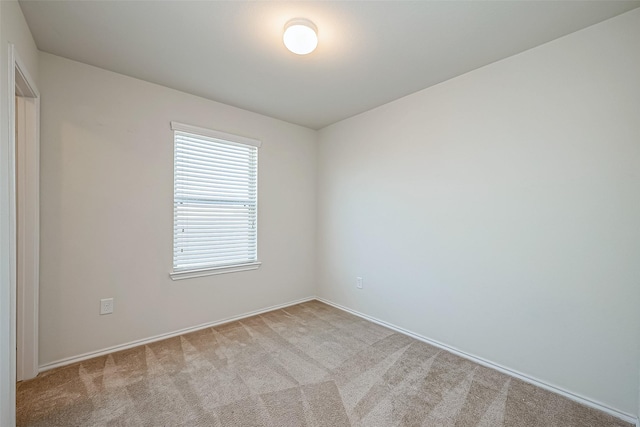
(215, 204)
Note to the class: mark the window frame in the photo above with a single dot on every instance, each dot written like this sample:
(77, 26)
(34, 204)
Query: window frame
(213, 269)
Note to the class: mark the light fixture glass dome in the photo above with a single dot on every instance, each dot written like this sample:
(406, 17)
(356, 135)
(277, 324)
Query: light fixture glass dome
(300, 36)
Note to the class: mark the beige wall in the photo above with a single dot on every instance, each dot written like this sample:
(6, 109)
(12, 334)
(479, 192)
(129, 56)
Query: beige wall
(107, 211)
(14, 30)
(498, 212)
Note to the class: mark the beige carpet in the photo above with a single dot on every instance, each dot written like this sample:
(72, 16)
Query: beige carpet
(306, 365)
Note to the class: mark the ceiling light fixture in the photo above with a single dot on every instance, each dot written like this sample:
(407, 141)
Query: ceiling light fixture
(300, 36)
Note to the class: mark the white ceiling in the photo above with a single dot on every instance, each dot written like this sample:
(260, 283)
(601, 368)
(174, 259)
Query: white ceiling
(369, 53)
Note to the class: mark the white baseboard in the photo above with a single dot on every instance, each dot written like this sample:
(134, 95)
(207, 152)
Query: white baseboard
(569, 395)
(113, 349)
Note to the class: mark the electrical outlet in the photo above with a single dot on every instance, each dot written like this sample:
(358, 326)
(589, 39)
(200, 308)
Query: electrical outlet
(359, 282)
(106, 306)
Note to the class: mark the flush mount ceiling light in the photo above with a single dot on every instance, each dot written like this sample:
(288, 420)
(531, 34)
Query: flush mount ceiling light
(300, 36)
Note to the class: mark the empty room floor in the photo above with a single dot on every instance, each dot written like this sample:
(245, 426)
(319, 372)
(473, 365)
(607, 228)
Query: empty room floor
(305, 365)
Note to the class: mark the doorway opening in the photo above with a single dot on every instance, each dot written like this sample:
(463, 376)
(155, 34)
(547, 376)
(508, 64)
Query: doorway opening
(26, 198)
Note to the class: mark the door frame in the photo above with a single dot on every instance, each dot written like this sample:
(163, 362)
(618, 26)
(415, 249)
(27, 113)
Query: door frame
(25, 207)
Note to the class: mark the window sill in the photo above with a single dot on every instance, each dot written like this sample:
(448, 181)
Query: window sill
(188, 274)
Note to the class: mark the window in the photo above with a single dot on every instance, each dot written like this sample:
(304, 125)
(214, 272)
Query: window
(215, 202)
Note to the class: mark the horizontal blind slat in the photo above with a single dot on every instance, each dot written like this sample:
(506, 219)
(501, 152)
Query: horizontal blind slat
(209, 142)
(213, 158)
(227, 256)
(185, 172)
(247, 241)
(220, 256)
(214, 179)
(214, 195)
(206, 203)
(209, 189)
(192, 213)
(206, 153)
(227, 145)
(217, 250)
(212, 166)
